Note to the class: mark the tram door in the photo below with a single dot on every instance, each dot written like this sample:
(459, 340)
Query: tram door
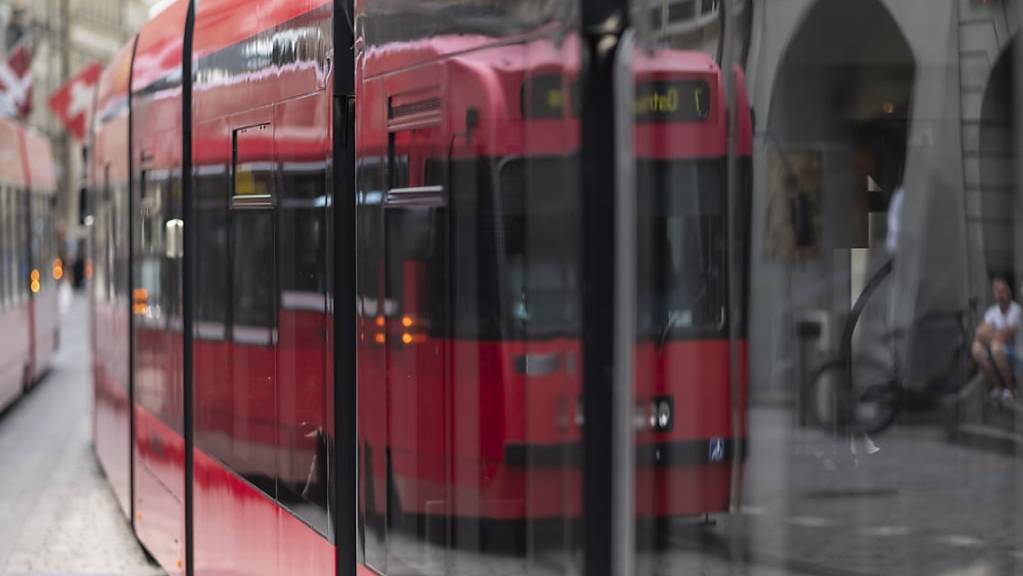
(414, 310)
(253, 309)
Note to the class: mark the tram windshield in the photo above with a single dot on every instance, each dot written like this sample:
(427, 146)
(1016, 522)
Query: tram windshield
(681, 248)
(681, 252)
(538, 241)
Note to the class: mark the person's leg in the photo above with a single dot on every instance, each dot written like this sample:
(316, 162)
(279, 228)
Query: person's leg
(983, 359)
(1000, 354)
(1012, 359)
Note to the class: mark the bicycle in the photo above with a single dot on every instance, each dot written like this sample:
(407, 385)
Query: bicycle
(863, 394)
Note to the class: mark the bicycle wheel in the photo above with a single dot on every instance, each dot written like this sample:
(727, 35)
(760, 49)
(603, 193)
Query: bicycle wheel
(861, 398)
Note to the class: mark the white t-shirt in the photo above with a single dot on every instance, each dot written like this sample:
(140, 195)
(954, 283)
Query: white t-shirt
(1013, 317)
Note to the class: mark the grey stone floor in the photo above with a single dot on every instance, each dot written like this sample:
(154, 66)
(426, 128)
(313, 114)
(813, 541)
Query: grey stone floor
(57, 514)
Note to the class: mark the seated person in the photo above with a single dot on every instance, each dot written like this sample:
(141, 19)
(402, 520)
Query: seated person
(994, 346)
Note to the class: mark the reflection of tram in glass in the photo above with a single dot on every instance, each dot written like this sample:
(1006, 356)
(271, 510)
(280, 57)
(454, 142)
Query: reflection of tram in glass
(469, 294)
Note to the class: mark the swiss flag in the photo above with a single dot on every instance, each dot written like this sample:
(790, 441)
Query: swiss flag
(16, 81)
(72, 102)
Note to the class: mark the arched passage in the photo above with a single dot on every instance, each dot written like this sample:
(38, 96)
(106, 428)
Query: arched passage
(835, 152)
(997, 170)
(842, 98)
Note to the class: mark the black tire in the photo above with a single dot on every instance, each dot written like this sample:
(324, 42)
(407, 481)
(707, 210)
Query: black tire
(867, 405)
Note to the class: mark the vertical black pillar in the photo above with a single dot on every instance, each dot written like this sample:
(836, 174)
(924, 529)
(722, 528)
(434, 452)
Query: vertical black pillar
(188, 292)
(603, 22)
(343, 309)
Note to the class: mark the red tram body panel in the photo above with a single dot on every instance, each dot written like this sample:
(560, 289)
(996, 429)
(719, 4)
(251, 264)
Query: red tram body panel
(157, 176)
(15, 344)
(261, 112)
(110, 286)
(29, 268)
(47, 268)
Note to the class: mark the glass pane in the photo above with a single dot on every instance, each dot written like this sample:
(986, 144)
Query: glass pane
(252, 405)
(689, 362)
(469, 386)
(827, 288)
(303, 397)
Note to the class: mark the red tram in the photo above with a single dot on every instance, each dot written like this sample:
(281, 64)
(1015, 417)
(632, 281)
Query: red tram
(30, 268)
(216, 137)
(488, 155)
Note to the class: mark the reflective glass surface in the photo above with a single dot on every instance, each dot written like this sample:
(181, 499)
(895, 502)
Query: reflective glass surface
(468, 207)
(830, 251)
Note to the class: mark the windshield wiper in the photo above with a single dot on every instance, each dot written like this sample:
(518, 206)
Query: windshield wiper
(673, 317)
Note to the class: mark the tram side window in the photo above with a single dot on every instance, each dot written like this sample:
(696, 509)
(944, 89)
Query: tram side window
(302, 388)
(170, 274)
(515, 248)
(109, 242)
(252, 230)
(370, 183)
(39, 247)
(119, 230)
(12, 247)
(212, 244)
(414, 247)
(149, 242)
(254, 277)
(24, 237)
(50, 235)
(302, 228)
(476, 308)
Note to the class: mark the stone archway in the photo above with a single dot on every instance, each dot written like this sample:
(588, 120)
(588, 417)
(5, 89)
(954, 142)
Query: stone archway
(996, 156)
(844, 88)
(833, 146)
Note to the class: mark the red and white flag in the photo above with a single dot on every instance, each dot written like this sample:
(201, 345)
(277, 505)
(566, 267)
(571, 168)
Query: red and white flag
(16, 81)
(72, 102)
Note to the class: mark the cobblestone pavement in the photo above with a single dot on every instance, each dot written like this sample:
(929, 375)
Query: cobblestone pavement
(919, 507)
(58, 514)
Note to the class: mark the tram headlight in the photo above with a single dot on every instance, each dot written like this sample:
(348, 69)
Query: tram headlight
(661, 415)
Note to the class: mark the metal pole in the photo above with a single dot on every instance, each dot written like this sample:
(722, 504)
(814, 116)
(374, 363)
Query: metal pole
(622, 453)
(343, 253)
(605, 550)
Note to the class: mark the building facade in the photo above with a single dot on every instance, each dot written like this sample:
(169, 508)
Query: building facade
(67, 36)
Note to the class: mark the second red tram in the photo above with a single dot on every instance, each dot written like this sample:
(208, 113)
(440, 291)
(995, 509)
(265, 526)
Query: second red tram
(469, 282)
(30, 269)
(214, 177)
